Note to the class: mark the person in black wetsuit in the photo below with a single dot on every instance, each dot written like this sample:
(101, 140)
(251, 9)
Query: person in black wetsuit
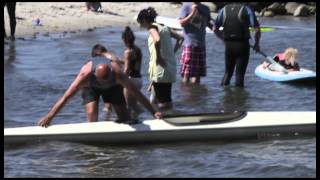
(11, 6)
(232, 26)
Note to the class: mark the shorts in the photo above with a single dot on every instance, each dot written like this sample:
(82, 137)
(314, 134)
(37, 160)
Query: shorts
(193, 61)
(113, 95)
(162, 92)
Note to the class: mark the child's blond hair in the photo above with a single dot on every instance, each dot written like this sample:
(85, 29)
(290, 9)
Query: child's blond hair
(290, 54)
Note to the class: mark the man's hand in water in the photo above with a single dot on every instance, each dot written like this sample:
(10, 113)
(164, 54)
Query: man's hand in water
(45, 121)
(158, 115)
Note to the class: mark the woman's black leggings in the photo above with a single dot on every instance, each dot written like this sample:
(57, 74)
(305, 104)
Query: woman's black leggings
(11, 6)
(236, 55)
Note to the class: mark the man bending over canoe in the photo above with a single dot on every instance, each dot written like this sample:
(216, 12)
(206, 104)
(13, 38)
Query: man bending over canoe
(101, 76)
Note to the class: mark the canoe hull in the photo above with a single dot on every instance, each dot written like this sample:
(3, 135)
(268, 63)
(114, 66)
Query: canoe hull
(251, 126)
(172, 135)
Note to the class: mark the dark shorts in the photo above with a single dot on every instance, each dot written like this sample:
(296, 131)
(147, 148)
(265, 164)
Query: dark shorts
(113, 95)
(163, 92)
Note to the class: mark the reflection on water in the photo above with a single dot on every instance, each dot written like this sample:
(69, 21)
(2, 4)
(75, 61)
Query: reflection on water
(10, 53)
(190, 93)
(235, 99)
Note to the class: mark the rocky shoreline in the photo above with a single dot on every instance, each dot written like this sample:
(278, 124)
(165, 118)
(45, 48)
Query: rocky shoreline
(270, 9)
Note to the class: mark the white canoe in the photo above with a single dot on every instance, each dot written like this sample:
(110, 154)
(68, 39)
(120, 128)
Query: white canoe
(302, 75)
(173, 23)
(218, 126)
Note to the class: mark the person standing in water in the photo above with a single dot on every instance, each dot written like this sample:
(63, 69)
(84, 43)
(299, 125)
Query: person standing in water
(194, 19)
(100, 51)
(101, 77)
(234, 20)
(132, 65)
(162, 65)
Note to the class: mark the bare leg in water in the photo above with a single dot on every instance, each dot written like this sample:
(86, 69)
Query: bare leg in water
(122, 112)
(195, 80)
(132, 103)
(108, 110)
(92, 111)
(186, 79)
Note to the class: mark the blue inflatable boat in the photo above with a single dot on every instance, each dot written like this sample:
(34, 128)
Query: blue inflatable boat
(302, 75)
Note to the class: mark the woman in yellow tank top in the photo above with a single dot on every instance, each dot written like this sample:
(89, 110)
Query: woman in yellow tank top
(162, 65)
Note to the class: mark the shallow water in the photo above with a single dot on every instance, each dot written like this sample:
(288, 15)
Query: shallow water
(38, 70)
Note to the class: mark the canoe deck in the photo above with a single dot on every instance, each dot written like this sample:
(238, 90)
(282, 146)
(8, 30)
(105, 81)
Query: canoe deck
(253, 125)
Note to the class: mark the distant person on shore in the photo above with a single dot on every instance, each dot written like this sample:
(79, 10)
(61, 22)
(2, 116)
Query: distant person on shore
(232, 26)
(287, 59)
(94, 6)
(11, 7)
(162, 65)
(194, 18)
(101, 77)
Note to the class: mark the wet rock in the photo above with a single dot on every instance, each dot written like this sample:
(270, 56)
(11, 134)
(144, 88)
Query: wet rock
(312, 9)
(274, 6)
(291, 7)
(268, 13)
(277, 8)
(258, 6)
(220, 5)
(212, 6)
(302, 10)
(257, 13)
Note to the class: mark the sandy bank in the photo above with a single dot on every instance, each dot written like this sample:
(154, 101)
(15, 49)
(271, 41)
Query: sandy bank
(73, 16)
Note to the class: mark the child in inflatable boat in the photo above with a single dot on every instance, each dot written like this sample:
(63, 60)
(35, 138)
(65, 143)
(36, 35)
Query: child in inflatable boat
(288, 59)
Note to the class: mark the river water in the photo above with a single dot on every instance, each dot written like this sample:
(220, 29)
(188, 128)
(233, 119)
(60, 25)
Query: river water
(37, 70)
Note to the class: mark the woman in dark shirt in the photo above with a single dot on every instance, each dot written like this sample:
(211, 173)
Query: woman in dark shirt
(132, 67)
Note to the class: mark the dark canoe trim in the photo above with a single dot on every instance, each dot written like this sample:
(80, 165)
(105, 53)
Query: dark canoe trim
(204, 118)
